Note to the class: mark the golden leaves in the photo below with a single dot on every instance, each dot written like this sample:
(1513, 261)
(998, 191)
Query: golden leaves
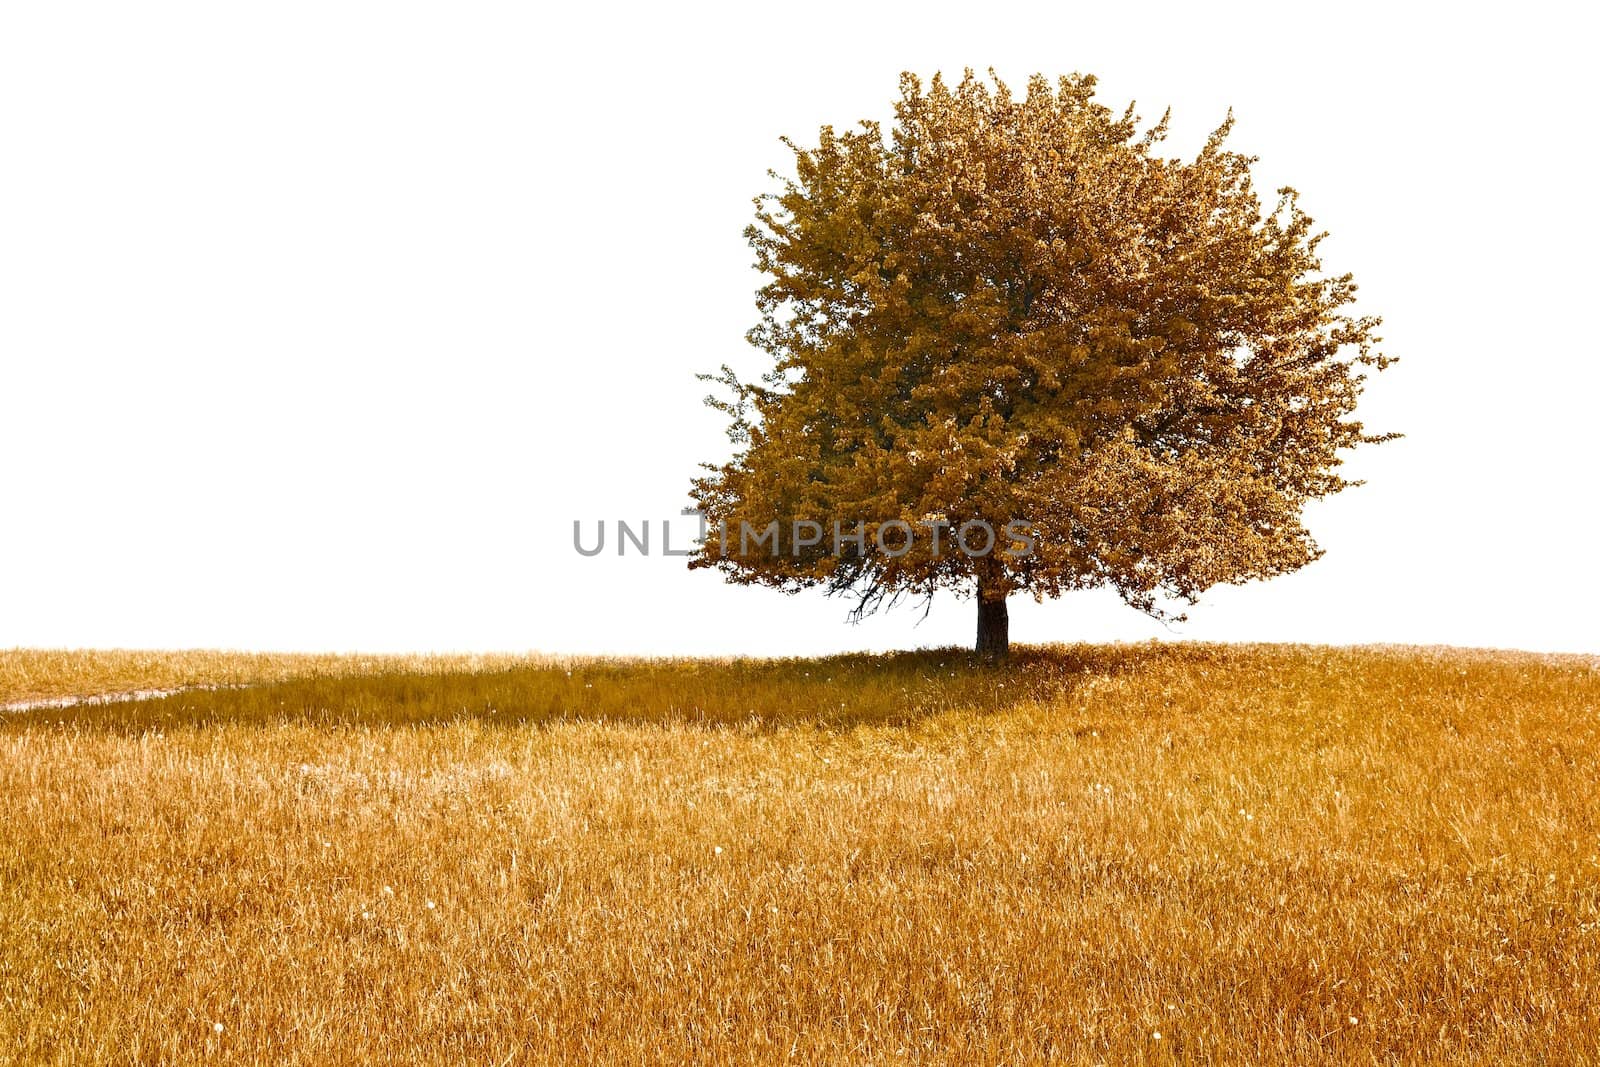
(1054, 324)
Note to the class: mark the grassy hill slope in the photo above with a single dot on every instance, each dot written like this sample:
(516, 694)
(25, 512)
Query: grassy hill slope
(1095, 854)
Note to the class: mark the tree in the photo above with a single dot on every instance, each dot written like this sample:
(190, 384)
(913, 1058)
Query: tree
(1014, 311)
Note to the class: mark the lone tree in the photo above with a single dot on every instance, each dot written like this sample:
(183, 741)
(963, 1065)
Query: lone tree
(1014, 310)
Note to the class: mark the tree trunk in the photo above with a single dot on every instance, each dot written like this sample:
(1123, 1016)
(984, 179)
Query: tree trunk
(994, 626)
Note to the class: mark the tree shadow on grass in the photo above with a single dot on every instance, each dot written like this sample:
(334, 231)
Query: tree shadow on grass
(835, 692)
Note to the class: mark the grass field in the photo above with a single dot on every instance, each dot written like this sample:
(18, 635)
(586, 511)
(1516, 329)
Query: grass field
(1126, 854)
(28, 676)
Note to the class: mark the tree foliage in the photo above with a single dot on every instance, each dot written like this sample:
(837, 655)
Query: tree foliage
(1017, 309)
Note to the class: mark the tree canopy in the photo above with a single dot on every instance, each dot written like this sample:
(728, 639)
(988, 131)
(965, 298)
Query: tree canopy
(1015, 310)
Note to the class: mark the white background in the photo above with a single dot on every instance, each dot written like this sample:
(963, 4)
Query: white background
(321, 322)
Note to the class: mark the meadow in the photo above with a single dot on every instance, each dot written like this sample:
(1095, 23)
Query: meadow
(1092, 854)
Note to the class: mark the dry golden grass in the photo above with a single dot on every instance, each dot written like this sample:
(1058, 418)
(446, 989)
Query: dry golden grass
(28, 675)
(1260, 854)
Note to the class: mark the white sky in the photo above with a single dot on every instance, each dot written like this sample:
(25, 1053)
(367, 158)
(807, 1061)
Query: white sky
(321, 322)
